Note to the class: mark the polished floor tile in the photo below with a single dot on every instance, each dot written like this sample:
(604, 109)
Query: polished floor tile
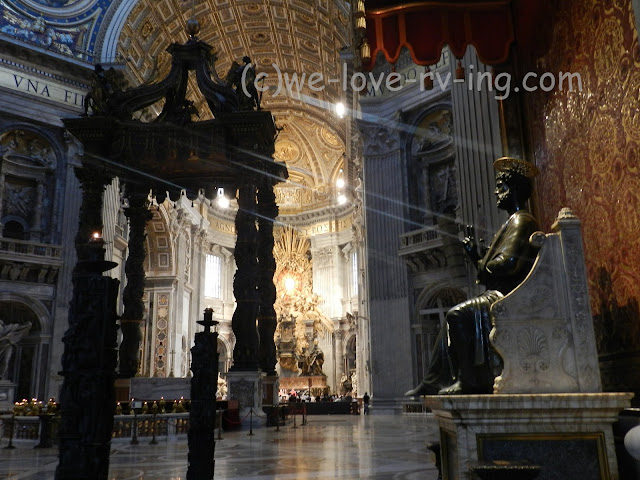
(327, 448)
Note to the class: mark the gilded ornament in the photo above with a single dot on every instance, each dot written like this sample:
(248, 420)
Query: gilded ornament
(523, 167)
(146, 30)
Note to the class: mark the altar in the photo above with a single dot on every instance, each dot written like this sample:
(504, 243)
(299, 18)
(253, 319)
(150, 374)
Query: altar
(303, 383)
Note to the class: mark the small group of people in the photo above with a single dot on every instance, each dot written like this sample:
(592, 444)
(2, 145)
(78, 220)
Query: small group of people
(295, 396)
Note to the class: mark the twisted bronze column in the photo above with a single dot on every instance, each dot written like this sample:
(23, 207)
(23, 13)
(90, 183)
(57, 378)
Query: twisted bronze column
(267, 322)
(138, 214)
(87, 396)
(245, 352)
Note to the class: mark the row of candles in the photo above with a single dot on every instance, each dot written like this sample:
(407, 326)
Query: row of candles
(34, 407)
(157, 406)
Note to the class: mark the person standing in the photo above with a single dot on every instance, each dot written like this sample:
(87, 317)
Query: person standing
(365, 401)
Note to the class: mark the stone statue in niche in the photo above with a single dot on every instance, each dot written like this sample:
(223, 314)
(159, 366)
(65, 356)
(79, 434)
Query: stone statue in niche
(436, 189)
(470, 363)
(444, 197)
(312, 363)
(432, 170)
(10, 335)
(221, 391)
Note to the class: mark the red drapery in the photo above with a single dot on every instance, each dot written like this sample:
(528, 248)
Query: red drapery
(425, 27)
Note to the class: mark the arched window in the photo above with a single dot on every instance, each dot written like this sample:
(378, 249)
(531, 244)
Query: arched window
(213, 277)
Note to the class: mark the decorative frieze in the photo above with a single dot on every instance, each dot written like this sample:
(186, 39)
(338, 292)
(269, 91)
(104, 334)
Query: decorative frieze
(323, 257)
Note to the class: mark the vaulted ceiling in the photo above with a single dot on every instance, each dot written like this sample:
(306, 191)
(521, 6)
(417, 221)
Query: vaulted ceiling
(290, 36)
(286, 36)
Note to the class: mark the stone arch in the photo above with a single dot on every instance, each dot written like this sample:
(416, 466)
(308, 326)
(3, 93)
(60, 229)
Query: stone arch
(431, 307)
(39, 309)
(350, 346)
(422, 120)
(14, 227)
(109, 34)
(44, 135)
(225, 351)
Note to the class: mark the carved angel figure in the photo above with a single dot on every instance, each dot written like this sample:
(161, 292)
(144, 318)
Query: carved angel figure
(241, 78)
(105, 86)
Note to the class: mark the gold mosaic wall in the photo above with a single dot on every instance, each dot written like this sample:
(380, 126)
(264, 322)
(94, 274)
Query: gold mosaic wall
(587, 147)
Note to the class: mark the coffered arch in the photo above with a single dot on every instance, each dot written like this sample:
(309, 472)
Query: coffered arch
(282, 37)
(160, 259)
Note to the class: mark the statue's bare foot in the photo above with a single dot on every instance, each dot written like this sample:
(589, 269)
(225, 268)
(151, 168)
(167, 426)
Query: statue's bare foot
(455, 389)
(422, 389)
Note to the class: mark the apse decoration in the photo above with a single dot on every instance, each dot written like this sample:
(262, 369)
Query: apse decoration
(301, 323)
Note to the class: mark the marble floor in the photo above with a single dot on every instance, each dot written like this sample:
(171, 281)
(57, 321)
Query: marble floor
(326, 448)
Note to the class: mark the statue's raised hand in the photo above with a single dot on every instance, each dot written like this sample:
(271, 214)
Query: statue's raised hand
(470, 245)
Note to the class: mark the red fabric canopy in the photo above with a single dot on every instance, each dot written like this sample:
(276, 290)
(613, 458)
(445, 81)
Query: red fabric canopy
(424, 28)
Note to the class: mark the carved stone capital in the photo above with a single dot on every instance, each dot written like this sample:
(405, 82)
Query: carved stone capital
(199, 236)
(322, 257)
(378, 139)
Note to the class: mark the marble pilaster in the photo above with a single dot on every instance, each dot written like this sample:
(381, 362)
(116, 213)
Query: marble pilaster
(389, 324)
(475, 116)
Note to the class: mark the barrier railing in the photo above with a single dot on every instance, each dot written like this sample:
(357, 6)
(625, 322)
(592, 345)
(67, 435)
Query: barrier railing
(169, 425)
(44, 427)
(148, 424)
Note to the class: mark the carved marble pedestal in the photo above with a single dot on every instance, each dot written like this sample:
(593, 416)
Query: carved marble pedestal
(246, 388)
(7, 393)
(567, 435)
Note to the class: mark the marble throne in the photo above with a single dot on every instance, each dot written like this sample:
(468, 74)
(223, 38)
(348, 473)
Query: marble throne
(547, 407)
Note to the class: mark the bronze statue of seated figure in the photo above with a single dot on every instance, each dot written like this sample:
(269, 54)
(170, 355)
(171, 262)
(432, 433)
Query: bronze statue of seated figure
(463, 361)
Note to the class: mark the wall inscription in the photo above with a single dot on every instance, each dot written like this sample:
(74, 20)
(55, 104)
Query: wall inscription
(41, 88)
